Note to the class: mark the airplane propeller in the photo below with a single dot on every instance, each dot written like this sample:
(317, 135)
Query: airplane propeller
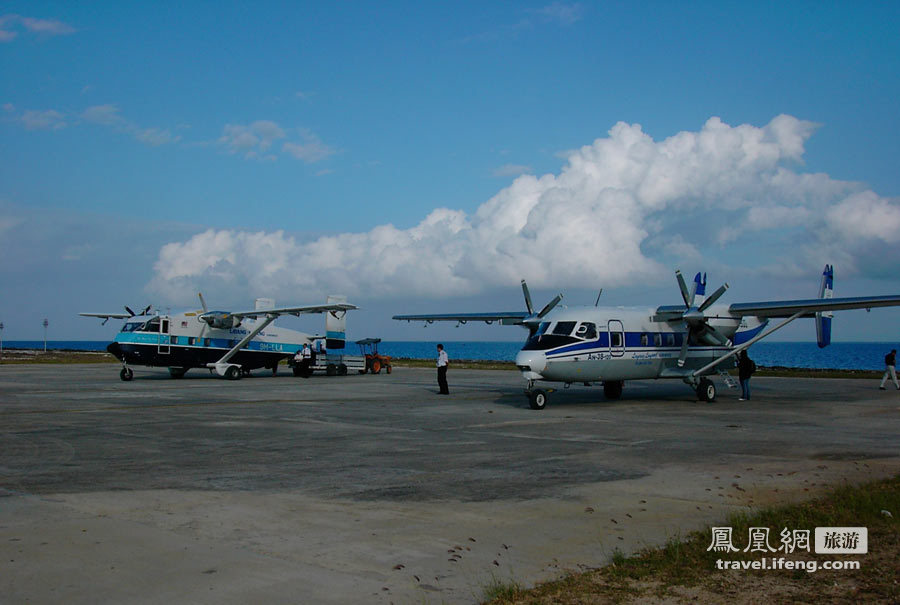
(132, 313)
(694, 317)
(533, 318)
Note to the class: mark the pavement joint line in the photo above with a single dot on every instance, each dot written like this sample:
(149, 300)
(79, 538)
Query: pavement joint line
(151, 406)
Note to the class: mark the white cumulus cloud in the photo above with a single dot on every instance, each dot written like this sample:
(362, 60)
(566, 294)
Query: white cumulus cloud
(623, 209)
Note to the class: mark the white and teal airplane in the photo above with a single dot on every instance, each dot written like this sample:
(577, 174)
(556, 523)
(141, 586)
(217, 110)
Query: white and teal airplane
(227, 343)
(610, 345)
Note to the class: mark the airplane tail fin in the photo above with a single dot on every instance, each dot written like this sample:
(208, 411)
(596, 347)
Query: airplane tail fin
(335, 325)
(823, 319)
(699, 294)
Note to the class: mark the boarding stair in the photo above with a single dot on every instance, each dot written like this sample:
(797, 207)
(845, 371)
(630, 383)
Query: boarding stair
(729, 380)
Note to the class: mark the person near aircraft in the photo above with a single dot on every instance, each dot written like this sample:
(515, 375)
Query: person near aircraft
(442, 362)
(746, 367)
(890, 361)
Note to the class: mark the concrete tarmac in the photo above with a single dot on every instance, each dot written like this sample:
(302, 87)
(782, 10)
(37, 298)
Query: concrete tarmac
(375, 489)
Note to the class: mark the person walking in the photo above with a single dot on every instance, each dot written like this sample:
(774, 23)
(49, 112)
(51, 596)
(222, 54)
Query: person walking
(746, 367)
(890, 361)
(442, 362)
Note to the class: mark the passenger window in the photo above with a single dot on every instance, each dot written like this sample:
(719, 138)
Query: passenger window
(670, 340)
(645, 340)
(657, 340)
(192, 340)
(615, 339)
(205, 342)
(587, 331)
(564, 328)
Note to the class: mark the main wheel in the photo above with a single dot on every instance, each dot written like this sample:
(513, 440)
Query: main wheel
(330, 369)
(126, 374)
(538, 399)
(613, 389)
(706, 391)
(342, 370)
(233, 373)
(177, 372)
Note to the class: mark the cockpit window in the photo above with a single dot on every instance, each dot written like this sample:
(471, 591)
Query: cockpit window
(542, 328)
(563, 328)
(586, 330)
(132, 326)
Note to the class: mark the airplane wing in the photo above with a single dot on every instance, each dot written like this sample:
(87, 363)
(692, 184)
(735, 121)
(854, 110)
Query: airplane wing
(108, 315)
(296, 310)
(787, 308)
(506, 318)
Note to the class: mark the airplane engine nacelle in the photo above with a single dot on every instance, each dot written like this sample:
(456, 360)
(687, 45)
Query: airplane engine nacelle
(221, 320)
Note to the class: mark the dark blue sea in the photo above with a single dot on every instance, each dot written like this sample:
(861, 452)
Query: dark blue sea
(839, 355)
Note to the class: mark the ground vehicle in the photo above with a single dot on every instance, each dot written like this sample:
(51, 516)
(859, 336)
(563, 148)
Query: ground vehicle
(368, 348)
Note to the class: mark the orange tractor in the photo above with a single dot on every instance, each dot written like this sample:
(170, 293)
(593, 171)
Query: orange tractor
(368, 348)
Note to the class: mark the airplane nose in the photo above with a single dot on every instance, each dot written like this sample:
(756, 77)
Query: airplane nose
(114, 349)
(531, 361)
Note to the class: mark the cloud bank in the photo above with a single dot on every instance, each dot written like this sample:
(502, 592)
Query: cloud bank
(623, 209)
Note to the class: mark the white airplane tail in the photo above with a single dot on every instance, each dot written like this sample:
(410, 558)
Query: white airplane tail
(335, 325)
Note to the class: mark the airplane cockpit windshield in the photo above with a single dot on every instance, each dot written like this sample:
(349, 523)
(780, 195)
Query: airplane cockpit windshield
(142, 326)
(549, 336)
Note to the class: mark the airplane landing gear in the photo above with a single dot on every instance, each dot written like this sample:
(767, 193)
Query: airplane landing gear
(126, 374)
(706, 390)
(612, 389)
(537, 399)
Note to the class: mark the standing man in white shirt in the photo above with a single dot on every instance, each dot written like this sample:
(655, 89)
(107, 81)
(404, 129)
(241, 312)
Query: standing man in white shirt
(442, 362)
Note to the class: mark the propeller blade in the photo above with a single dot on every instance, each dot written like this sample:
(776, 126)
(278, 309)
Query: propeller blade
(130, 312)
(682, 356)
(146, 310)
(713, 298)
(527, 294)
(550, 305)
(716, 335)
(202, 302)
(685, 294)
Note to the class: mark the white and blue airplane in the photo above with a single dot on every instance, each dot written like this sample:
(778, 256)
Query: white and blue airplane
(689, 342)
(227, 343)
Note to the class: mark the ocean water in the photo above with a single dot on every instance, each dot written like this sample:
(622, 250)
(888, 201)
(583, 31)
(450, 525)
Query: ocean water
(839, 355)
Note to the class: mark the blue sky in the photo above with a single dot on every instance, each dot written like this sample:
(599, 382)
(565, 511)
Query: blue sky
(425, 156)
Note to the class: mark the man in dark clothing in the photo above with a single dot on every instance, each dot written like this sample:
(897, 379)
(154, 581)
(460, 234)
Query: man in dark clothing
(746, 367)
(890, 360)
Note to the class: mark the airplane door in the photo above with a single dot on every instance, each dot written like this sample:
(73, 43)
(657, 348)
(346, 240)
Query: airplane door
(162, 342)
(616, 337)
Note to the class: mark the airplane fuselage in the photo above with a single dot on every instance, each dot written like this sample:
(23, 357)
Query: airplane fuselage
(185, 341)
(593, 344)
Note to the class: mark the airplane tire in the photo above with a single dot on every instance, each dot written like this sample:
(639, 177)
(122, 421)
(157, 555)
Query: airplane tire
(707, 390)
(330, 369)
(233, 373)
(538, 399)
(126, 374)
(342, 370)
(177, 372)
(613, 389)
